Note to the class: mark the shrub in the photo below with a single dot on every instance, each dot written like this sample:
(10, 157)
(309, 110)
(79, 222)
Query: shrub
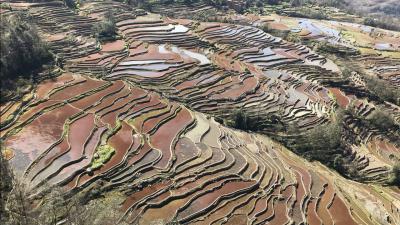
(70, 4)
(56, 207)
(326, 47)
(241, 120)
(275, 32)
(22, 51)
(296, 3)
(273, 2)
(103, 154)
(383, 90)
(106, 29)
(381, 120)
(293, 37)
(307, 12)
(384, 22)
(5, 184)
(322, 143)
(395, 175)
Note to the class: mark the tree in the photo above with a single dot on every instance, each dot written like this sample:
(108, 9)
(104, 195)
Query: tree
(395, 175)
(383, 90)
(381, 120)
(70, 4)
(293, 37)
(22, 53)
(5, 185)
(106, 29)
(18, 206)
(240, 120)
(273, 2)
(296, 3)
(56, 206)
(322, 143)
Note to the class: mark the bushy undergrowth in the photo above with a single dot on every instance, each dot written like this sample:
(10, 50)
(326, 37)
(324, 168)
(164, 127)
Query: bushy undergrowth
(239, 119)
(383, 90)
(5, 185)
(307, 12)
(322, 143)
(395, 175)
(22, 52)
(275, 32)
(381, 120)
(83, 208)
(104, 153)
(105, 29)
(326, 47)
(70, 4)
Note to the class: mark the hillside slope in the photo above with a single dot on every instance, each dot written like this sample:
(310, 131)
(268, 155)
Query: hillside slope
(187, 120)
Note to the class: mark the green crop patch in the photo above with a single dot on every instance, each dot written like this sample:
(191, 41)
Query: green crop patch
(102, 155)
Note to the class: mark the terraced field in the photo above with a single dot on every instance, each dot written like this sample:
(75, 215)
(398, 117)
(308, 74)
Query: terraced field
(141, 116)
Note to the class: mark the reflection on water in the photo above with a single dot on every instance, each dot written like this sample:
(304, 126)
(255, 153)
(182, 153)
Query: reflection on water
(162, 49)
(317, 29)
(179, 29)
(140, 62)
(154, 67)
(200, 57)
(383, 46)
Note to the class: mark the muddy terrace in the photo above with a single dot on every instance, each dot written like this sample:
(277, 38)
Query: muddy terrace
(136, 115)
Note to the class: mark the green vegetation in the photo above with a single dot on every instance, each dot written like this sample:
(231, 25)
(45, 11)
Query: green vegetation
(5, 5)
(239, 119)
(146, 5)
(381, 120)
(395, 175)
(206, 15)
(70, 4)
(383, 90)
(102, 155)
(376, 88)
(83, 208)
(293, 37)
(326, 47)
(324, 144)
(305, 12)
(5, 185)
(106, 29)
(385, 13)
(278, 33)
(22, 53)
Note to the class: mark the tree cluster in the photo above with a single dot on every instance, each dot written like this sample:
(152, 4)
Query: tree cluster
(381, 120)
(395, 175)
(22, 51)
(240, 119)
(325, 144)
(383, 90)
(70, 4)
(105, 29)
(57, 208)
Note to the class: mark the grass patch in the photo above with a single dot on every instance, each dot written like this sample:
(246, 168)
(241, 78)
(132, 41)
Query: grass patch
(391, 54)
(102, 155)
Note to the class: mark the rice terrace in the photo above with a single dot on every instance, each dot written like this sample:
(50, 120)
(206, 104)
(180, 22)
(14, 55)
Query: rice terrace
(167, 112)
